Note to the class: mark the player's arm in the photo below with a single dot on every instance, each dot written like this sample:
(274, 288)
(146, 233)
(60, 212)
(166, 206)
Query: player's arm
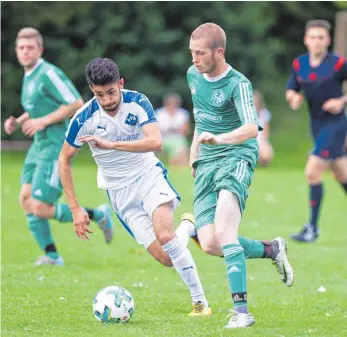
(242, 96)
(62, 113)
(80, 216)
(57, 86)
(194, 152)
(336, 105)
(292, 95)
(235, 137)
(194, 148)
(152, 141)
(11, 123)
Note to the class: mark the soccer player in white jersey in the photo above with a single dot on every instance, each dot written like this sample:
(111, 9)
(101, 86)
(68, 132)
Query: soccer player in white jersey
(122, 132)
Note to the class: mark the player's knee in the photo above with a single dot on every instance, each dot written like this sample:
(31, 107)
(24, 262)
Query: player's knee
(25, 201)
(312, 176)
(38, 208)
(165, 236)
(209, 246)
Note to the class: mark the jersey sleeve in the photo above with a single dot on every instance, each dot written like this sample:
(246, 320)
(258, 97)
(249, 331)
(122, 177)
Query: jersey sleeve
(341, 68)
(76, 130)
(60, 88)
(267, 115)
(293, 83)
(243, 100)
(145, 112)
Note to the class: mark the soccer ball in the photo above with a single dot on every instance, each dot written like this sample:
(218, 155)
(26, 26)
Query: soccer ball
(113, 304)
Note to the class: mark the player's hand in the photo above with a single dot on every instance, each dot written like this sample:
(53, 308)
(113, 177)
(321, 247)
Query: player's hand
(208, 138)
(33, 125)
(334, 105)
(192, 171)
(10, 125)
(97, 142)
(81, 222)
(296, 101)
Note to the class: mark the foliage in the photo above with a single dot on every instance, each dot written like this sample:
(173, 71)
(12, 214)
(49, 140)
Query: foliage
(149, 41)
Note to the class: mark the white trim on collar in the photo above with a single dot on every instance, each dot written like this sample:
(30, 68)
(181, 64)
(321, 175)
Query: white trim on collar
(28, 73)
(215, 79)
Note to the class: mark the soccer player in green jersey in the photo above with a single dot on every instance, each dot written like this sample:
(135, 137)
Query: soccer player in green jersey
(224, 153)
(49, 99)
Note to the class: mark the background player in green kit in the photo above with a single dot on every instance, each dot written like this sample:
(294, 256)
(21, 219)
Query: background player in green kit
(224, 153)
(49, 99)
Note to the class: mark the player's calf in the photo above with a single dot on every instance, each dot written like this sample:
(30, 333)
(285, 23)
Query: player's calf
(157, 251)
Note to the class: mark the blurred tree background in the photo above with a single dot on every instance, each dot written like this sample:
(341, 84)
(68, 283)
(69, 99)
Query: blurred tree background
(149, 41)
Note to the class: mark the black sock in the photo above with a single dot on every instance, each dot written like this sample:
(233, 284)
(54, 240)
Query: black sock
(90, 212)
(316, 195)
(51, 251)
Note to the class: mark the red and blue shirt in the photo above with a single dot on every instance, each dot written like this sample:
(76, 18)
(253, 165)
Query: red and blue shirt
(319, 83)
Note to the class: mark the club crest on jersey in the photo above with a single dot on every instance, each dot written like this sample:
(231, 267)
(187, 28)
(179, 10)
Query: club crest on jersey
(218, 97)
(131, 119)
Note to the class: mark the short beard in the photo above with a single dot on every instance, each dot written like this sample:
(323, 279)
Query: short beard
(113, 109)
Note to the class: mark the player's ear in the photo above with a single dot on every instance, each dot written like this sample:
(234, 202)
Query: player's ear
(121, 83)
(329, 41)
(220, 53)
(90, 87)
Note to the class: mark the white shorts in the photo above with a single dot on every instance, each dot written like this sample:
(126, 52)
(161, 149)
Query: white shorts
(134, 204)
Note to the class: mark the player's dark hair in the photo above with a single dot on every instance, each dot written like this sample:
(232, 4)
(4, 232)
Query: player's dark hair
(102, 71)
(318, 23)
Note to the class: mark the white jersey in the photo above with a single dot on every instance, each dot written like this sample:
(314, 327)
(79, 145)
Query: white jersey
(264, 116)
(116, 169)
(171, 124)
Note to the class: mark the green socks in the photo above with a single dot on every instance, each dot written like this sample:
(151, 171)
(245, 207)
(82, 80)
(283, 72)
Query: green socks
(42, 233)
(63, 213)
(253, 249)
(236, 268)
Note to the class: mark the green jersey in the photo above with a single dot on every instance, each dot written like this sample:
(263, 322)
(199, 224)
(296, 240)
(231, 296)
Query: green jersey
(222, 105)
(45, 88)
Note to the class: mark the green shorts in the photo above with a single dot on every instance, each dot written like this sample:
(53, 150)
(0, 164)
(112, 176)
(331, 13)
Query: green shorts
(41, 171)
(231, 174)
(174, 145)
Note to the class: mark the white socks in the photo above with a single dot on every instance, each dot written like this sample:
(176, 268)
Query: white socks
(185, 266)
(185, 231)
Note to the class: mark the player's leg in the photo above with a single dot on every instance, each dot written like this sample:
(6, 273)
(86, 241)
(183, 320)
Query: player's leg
(45, 199)
(159, 203)
(317, 164)
(205, 202)
(265, 153)
(42, 197)
(339, 167)
(339, 155)
(182, 260)
(38, 227)
(25, 197)
(227, 221)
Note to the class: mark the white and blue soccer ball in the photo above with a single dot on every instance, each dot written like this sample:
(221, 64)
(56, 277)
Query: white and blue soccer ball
(113, 304)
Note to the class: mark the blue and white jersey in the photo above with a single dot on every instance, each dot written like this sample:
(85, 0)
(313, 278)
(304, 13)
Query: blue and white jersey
(116, 169)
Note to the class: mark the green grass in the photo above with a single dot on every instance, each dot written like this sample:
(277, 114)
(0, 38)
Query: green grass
(277, 205)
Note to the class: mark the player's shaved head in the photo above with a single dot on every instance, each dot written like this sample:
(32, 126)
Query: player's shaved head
(212, 33)
(30, 33)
